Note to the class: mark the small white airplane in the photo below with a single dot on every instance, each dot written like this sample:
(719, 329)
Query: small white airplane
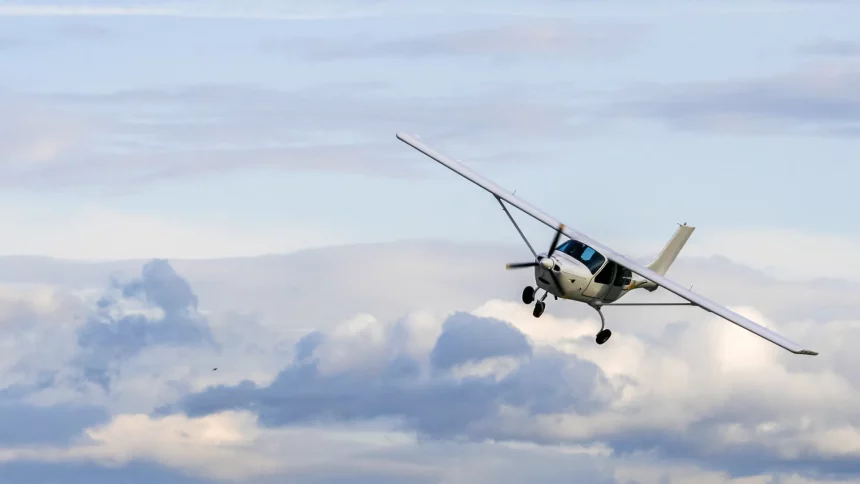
(581, 269)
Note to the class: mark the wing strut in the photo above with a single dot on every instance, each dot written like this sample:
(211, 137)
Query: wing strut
(516, 226)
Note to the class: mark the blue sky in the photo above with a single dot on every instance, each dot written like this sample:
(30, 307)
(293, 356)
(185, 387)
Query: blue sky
(617, 118)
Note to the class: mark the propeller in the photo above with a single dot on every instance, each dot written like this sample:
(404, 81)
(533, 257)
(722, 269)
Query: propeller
(546, 262)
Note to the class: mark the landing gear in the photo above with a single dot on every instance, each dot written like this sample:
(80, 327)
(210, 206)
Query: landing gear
(604, 334)
(528, 295)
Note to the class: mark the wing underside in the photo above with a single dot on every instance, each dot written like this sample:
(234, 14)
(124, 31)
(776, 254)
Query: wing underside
(660, 280)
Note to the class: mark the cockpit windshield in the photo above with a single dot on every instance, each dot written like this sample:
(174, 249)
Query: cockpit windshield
(583, 253)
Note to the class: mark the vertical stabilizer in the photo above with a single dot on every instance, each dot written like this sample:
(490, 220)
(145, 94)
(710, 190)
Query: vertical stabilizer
(670, 252)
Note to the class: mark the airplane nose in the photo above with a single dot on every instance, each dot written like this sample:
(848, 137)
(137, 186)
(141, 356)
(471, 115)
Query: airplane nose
(547, 263)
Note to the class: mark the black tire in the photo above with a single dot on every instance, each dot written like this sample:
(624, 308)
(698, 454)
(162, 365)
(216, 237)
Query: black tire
(538, 311)
(603, 336)
(528, 295)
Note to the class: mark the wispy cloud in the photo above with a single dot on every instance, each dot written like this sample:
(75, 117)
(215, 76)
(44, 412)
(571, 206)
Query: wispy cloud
(137, 136)
(252, 9)
(530, 37)
(8, 42)
(15, 9)
(822, 98)
(832, 48)
(332, 9)
(85, 31)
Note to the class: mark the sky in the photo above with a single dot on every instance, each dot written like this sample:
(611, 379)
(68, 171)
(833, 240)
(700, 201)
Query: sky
(197, 184)
(139, 129)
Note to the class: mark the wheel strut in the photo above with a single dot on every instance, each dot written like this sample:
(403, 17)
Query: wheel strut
(602, 319)
(604, 334)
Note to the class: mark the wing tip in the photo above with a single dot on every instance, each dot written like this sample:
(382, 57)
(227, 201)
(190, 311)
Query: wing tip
(806, 352)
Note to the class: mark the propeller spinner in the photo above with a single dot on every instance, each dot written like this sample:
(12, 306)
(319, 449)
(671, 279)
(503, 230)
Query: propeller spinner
(546, 262)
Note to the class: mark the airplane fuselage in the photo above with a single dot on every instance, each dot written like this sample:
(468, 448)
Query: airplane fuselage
(608, 283)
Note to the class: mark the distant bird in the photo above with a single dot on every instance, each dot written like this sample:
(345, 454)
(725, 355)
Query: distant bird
(213, 369)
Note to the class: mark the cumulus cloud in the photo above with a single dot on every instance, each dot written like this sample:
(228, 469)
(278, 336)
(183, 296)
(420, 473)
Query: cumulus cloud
(213, 446)
(452, 393)
(383, 380)
(465, 340)
(139, 340)
(23, 424)
(118, 332)
(704, 391)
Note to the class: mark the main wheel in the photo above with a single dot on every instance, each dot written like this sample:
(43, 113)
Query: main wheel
(528, 295)
(539, 307)
(603, 336)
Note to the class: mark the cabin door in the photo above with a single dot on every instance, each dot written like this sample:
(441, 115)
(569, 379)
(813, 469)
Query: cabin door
(599, 286)
(613, 293)
(620, 279)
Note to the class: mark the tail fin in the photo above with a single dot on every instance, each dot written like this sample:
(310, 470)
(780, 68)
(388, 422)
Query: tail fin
(667, 256)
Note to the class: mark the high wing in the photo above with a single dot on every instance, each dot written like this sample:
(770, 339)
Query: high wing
(610, 254)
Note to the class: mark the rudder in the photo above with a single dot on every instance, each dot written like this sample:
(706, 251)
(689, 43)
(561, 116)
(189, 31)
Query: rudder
(670, 252)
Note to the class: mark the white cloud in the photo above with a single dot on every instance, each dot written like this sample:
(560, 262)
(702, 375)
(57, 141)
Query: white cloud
(228, 446)
(688, 379)
(548, 330)
(213, 446)
(783, 252)
(710, 364)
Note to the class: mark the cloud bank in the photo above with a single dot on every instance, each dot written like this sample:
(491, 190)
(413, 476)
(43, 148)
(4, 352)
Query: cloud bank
(428, 395)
